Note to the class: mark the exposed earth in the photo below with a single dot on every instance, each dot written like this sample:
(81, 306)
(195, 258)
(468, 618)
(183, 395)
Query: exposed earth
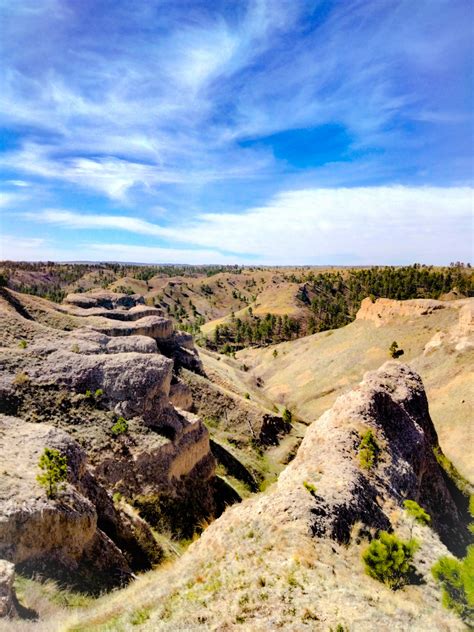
(214, 491)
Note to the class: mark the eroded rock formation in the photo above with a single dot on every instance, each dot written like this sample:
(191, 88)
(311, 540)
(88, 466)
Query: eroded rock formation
(383, 310)
(66, 389)
(309, 531)
(7, 593)
(61, 534)
(390, 402)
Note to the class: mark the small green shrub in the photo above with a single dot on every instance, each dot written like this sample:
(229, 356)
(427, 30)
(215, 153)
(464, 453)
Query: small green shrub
(389, 559)
(139, 616)
(54, 467)
(414, 510)
(394, 351)
(211, 422)
(457, 583)
(247, 395)
(119, 427)
(99, 393)
(287, 416)
(23, 344)
(292, 581)
(310, 487)
(275, 353)
(368, 450)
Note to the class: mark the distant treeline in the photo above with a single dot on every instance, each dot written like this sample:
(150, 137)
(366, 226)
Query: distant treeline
(54, 280)
(332, 300)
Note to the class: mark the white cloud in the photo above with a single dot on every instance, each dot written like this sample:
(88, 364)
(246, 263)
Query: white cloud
(40, 249)
(114, 177)
(151, 254)
(18, 183)
(23, 248)
(371, 225)
(70, 219)
(364, 225)
(118, 121)
(10, 199)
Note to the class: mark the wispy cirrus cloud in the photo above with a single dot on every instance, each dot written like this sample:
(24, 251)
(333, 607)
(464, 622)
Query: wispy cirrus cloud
(39, 249)
(382, 225)
(69, 219)
(209, 109)
(180, 97)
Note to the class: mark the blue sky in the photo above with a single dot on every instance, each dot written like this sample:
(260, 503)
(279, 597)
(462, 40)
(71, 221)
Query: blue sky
(269, 131)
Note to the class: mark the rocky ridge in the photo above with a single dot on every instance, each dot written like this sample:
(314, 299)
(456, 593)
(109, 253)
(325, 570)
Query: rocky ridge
(66, 388)
(291, 558)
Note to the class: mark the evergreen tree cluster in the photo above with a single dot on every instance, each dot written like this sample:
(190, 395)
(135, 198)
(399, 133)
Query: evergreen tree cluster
(254, 330)
(335, 297)
(390, 559)
(332, 300)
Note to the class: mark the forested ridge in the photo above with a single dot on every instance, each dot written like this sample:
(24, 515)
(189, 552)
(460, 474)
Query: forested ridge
(332, 300)
(323, 299)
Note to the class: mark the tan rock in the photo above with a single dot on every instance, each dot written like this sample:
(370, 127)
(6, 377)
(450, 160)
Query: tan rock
(132, 383)
(383, 310)
(56, 535)
(155, 327)
(101, 298)
(7, 593)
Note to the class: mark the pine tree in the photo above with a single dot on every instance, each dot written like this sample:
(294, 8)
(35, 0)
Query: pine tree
(389, 559)
(54, 467)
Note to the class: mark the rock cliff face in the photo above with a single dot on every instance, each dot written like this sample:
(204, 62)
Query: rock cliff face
(392, 404)
(107, 300)
(56, 535)
(66, 388)
(291, 558)
(383, 310)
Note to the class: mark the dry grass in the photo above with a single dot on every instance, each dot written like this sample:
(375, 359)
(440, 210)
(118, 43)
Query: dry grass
(310, 373)
(252, 572)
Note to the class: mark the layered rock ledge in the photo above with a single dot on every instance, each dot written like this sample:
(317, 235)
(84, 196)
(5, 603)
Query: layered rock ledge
(67, 389)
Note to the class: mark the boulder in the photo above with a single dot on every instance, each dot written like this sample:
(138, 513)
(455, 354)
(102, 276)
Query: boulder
(7, 592)
(132, 383)
(155, 327)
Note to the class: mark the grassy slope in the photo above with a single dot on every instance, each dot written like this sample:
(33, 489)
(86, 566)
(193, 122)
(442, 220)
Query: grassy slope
(308, 374)
(277, 298)
(241, 580)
